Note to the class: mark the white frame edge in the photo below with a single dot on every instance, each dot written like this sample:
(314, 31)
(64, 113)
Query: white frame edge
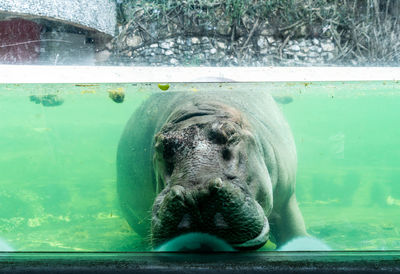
(13, 74)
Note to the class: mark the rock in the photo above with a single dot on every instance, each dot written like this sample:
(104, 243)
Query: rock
(301, 56)
(295, 48)
(213, 51)
(180, 41)
(273, 49)
(164, 45)
(221, 45)
(173, 61)
(155, 45)
(262, 42)
(195, 40)
(167, 44)
(328, 46)
(270, 39)
(205, 40)
(313, 54)
(315, 41)
(328, 56)
(169, 52)
(146, 52)
(240, 41)
(264, 51)
(133, 41)
(207, 46)
(290, 55)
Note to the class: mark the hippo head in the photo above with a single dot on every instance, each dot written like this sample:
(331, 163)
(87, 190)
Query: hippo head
(211, 177)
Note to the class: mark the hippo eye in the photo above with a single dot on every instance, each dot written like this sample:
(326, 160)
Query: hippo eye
(168, 156)
(218, 137)
(226, 154)
(169, 167)
(168, 151)
(165, 150)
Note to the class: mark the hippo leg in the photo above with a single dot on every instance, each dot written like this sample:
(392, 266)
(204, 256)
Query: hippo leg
(289, 223)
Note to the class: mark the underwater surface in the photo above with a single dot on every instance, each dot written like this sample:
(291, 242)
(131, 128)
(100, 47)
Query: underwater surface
(58, 146)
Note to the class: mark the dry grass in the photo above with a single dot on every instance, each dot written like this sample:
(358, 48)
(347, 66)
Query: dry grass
(365, 31)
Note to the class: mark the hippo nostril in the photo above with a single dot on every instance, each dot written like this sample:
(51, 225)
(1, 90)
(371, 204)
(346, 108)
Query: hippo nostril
(219, 221)
(185, 222)
(216, 184)
(177, 192)
(230, 176)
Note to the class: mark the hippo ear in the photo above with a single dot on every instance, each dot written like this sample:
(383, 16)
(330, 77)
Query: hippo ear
(227, 132)
(229, 128)
(234, 139)
(216, 135)
(159, 142)
(163, 146)
(160, 185)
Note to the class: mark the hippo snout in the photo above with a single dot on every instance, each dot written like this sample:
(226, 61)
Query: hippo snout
(216, 207)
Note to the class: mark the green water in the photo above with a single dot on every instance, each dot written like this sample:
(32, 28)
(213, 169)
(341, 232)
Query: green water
(58, 174)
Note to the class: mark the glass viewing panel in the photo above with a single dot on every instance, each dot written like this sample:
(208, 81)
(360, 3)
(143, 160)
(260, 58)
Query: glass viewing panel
(58, 161)
(66, 183)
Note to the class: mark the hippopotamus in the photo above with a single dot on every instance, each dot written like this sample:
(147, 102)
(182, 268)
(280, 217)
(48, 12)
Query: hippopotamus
(221, 163)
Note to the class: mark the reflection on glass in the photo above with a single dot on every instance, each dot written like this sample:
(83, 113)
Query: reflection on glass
(200, 33)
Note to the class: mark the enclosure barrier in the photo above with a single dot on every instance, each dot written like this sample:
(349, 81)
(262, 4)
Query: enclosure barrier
(107, 74)
(250, 262)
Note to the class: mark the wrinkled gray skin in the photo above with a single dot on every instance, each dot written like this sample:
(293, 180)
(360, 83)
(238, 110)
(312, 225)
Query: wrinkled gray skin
(218, 163)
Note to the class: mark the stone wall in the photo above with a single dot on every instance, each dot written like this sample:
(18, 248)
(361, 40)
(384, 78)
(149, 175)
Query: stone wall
(206, 51)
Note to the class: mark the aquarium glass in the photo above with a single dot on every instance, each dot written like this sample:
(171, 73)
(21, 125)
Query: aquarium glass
(58, 146)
